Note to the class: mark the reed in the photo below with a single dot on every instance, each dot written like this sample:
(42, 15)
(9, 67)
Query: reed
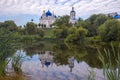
(109, 72)
(17, 63)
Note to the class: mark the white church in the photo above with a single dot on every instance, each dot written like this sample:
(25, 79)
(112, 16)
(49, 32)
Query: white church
(48, 18)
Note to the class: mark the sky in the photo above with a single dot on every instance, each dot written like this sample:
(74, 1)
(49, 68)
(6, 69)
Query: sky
(22, 11)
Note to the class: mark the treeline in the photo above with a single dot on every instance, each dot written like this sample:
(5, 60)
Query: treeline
(29, 33)
(97, 28)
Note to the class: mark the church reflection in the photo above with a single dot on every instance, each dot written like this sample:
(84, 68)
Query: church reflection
(71, 63)
(46, 58)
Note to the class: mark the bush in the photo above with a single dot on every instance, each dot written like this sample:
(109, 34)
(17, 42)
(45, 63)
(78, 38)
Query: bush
(110, 31)
(76, 36)
(29, 38)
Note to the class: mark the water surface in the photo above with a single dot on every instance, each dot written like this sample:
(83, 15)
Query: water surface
(60, 62)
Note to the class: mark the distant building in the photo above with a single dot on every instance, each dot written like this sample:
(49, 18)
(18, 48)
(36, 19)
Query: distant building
(115, 15)
(73, 20)
(112, 14)
(47, 19)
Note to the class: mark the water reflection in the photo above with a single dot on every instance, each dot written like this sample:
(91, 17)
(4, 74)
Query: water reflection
(46, 58)
(60, 62)
(44, 68)
(71, 63)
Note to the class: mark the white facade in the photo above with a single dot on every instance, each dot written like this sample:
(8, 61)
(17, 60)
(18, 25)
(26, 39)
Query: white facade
(72, 16)
(47, 19)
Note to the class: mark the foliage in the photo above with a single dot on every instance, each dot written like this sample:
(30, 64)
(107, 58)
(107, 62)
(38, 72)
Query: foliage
(9, 24)
(95, 39)
(40, 32)
(22, 31)
(91, 75)
(61, 32)
(64, 20)
(110, 31)
(93, 23)
(27, 39)
(5, 49)
(48, 33)
(109, 72)
(31, 28)
(17, 62)
(76, 36)
(62, 24)
(14, 77)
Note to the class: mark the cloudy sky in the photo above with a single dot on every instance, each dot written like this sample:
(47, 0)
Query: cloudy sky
(22, 11)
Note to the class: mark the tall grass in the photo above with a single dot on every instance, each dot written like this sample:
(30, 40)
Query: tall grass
(91, 75)
(5, 49)
(17, 63)
(109, 72)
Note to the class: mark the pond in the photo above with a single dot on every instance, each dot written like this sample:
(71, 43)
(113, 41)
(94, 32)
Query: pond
(60, 62)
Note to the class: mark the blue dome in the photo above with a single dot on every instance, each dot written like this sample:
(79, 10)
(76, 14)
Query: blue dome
(41, 17)
(55, 16)
(48, 13)
(117, 17)
(74, 18)
(47, 63)
(72, 11)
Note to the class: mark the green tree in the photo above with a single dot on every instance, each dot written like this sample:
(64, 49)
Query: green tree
(76, 36)
(61, 32)
(64, 20)
(110, 30)
(31, 28)
(40, 32)
(93, 23)
(9, 24)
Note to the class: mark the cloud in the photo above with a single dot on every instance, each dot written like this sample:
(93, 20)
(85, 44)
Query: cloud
(84, 8)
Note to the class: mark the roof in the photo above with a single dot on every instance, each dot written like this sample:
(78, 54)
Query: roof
(55, 16)
(47, 64)
(117, 17)
(48, 13)
(72, 11)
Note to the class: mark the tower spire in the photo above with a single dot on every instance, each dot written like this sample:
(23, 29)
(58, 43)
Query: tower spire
(72, 8)
(43, 11)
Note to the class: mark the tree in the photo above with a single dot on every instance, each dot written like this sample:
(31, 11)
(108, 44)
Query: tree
(9, 24)
(110, 30)
(76, 36)
(31, 28)
(40, 32)
(57, 32)
(81, 34)
(61, 32)
(93, 23)
(64, 20)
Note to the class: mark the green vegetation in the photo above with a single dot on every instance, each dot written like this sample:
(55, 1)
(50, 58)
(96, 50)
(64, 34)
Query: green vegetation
(6, 49)
(76, 36)
(110, 73)
(110, 31)
(96, 29)
(48, 33)
(17, 62)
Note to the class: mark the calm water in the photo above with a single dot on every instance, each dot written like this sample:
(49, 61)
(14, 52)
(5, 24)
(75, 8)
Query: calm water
(59, 62)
